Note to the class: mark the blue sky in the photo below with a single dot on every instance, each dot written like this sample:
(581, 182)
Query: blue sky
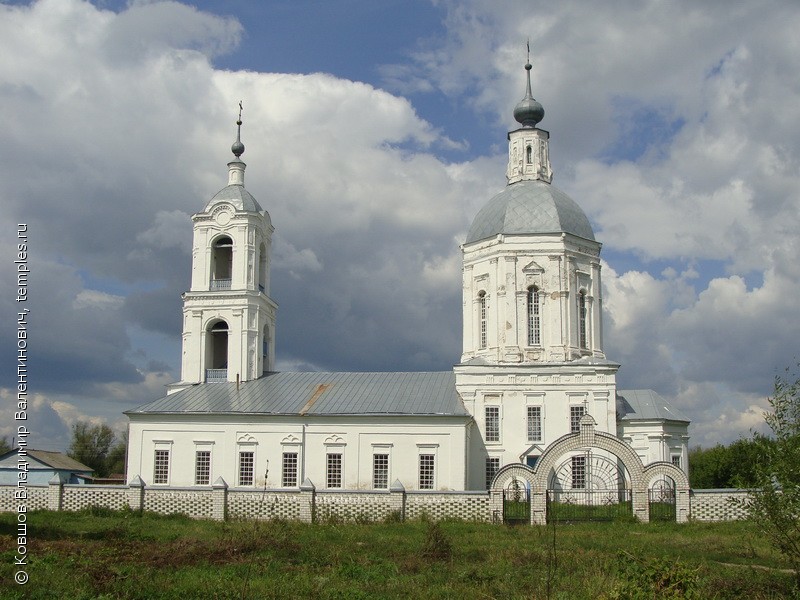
(374, 134)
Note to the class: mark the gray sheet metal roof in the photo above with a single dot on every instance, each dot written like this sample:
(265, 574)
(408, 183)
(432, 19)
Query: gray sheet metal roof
(320, 394)
(238, 196)
(646, 405)
(530, 207)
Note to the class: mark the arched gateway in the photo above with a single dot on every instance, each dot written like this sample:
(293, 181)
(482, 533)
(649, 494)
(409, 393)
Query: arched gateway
(633, 477)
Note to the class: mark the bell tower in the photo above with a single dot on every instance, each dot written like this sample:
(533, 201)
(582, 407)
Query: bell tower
(228, 315)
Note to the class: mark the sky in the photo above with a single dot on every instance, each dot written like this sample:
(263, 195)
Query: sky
(374, 133)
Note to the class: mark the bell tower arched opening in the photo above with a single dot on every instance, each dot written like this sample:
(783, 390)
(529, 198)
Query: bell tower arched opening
(222, 263)
(262, 268)
(265, 355)
(217, 352)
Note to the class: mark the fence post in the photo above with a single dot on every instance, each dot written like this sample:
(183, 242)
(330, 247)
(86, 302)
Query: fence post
(307, 501)
(136, 494)
(398, 498)
(220, 495)
(55, 492)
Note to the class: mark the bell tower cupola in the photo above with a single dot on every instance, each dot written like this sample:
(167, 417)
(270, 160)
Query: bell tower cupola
(228, 315)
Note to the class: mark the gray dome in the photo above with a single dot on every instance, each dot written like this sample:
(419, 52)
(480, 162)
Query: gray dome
(529, 207)
(238, 196)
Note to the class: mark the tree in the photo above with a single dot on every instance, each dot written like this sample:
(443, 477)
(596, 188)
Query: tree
(732, 466)
(4, 445)
(775, 505)
(91, 445)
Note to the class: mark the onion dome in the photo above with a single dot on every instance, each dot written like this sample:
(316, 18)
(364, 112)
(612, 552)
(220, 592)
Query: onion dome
(529, 111)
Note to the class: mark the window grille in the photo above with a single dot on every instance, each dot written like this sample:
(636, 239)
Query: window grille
(534, 423)
(534, 318)
(492, 423)
(380, 471)
(202, 467)
(161, 468)
(426, 471)
(492, 467)
(482, 310)
(333, 474)
(246, 468)
(289, 469)
(582, 318)
(575, 414)
(578, 472)
(676, 460)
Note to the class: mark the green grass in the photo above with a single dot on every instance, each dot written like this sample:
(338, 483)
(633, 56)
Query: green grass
(122, 555)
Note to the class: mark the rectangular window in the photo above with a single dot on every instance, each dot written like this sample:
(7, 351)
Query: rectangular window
(492, 423)
(578, 472)
(380, 471)
(575, 414)
(161, 468)
(492, 467)
(202, 467)
(246, 468)
(676, 460)
(333, 474)
(426, 471)
(534, 423)
(289, 470)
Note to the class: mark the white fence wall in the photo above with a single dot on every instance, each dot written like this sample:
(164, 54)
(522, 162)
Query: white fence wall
(306, 504)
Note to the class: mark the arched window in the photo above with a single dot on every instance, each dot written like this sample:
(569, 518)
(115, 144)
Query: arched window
(217, 352)
(482, 318)
(534, 321)
(529, 155)
(582, 318)
(265, 350)
(262, 268)
(221, 263)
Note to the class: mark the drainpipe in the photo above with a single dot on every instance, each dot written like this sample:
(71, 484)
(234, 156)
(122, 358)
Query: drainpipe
(303, 450)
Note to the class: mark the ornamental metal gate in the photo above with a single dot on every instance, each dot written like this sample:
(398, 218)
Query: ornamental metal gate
(516, 505)
(589, 486)
(661, 497)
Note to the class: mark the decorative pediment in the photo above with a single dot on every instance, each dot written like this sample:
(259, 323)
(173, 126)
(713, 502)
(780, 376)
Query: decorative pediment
(246, 438)
(532, 267)
(335, 440)
(290, 439)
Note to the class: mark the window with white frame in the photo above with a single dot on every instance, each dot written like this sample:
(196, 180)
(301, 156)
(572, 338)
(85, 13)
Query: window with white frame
(202, 467)
(246, 468)
(575, 414)
(534, 423)
(289, 469)
(161, 466)
(333, 470)
(582, 319)
(380, 471)
(578, 472)
(534, 319)
(492, 423)
(492, 467)
(427, 466)
(482, 318)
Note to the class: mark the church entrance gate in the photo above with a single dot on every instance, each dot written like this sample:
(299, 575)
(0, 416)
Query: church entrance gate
(516, 504)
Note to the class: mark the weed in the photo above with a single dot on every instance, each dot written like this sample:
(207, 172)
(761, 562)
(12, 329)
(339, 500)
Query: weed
(437, 545)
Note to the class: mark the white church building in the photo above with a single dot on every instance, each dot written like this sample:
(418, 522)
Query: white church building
(532, 372)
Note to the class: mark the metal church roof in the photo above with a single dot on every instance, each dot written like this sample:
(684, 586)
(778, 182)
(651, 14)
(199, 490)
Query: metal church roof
(238, 196)
(530, 207)
(314, 393)
(646, 405)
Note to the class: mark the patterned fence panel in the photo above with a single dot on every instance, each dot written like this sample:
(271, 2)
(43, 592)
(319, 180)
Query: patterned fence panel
(452, 505)
(356, 506)
(78, 497)
(717, 505)
(264, 505)
(194, 503)
(36, 500)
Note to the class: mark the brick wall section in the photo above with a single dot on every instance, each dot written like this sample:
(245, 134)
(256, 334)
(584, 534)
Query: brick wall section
(78, 497)
(37, 498)
(357, 506)
(715, 505)
(308, 503)
(191, 502)
(253, 504)
(464, 506)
